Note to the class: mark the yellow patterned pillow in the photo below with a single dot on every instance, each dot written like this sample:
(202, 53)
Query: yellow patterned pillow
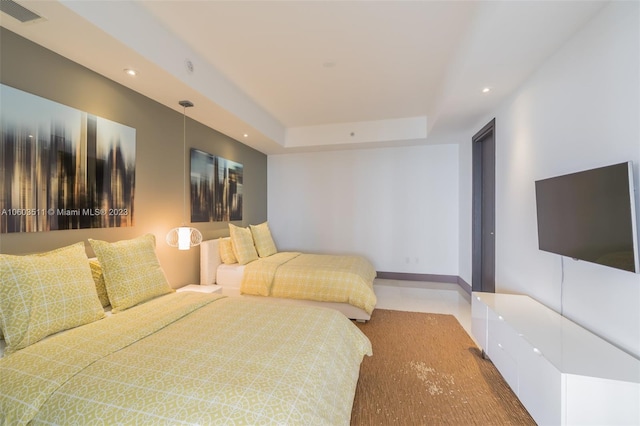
(263, 240)
(98, 279)
(226, 251)
(46, 293)
(132, 273)
(242, 243)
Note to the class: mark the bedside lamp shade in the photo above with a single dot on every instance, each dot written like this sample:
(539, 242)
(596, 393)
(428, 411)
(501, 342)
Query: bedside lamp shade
(184, 237)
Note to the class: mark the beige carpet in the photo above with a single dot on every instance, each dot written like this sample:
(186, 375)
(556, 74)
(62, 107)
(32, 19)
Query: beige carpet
(426, 370)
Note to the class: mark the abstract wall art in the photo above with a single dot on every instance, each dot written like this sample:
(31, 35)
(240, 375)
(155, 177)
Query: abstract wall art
(62, 168)
(216, 188)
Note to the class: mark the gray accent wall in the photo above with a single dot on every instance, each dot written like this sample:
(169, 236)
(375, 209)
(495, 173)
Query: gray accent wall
(159, 185)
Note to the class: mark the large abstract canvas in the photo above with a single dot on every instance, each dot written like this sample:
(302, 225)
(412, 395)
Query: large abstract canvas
(216, 188)
(61, 168)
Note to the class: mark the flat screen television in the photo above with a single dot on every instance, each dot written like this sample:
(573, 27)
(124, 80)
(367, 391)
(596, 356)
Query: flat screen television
(590, 215)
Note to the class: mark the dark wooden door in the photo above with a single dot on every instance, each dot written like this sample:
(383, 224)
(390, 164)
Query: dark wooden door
(484, 201)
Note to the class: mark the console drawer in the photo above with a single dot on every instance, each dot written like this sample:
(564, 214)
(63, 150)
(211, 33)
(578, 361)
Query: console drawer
(503, 349)
(540, 389)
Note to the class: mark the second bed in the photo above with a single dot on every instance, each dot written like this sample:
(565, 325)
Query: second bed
(344, 283)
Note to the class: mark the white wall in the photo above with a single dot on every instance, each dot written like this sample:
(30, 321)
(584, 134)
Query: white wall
(580, 110)
(396, 206)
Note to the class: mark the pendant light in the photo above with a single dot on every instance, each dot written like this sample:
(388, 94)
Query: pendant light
(184, 237)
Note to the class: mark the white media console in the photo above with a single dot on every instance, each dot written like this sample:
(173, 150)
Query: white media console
(562, 373)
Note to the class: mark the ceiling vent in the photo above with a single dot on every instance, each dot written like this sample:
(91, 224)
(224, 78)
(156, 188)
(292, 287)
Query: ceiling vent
(18, 11)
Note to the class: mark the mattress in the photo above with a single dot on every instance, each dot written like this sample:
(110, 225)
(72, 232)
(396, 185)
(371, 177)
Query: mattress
(230, 276)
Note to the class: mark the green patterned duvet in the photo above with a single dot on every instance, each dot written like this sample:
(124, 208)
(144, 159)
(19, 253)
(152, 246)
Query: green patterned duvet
(321, 277)
(190, 358)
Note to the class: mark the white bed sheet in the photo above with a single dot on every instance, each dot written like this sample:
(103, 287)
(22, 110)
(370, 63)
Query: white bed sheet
(230, 276)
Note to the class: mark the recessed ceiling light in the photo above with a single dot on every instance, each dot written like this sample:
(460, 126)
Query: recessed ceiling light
(246, 135)
(486, 90)
(131, 72)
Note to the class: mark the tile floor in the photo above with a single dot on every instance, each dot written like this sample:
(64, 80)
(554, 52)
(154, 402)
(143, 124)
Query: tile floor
(418, 296)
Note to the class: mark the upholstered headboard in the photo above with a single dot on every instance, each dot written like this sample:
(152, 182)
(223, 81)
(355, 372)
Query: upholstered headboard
(209, 261)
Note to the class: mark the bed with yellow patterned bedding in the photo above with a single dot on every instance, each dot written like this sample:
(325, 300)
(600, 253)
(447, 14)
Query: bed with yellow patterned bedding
(160, 356)
(190, 358)
(321, 277)
(340, 282)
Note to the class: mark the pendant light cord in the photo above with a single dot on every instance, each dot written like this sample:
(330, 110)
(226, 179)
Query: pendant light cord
(185, 105)
(184, 237)
(184, 163)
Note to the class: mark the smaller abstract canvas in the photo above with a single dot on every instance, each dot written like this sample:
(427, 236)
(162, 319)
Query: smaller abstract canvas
(216, 188)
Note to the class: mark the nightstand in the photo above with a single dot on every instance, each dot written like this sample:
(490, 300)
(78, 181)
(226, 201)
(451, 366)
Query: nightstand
(201, 288)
